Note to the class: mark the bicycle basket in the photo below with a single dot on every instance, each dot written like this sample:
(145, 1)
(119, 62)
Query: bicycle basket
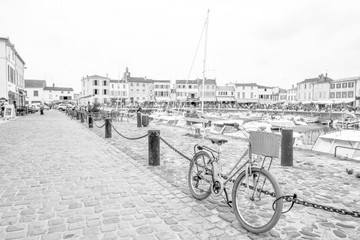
(265, 143)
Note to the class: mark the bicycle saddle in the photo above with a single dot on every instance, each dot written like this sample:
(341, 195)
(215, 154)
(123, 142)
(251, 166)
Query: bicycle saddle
(218, 140)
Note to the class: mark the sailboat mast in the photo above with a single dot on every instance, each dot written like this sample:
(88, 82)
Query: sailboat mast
(204, 61)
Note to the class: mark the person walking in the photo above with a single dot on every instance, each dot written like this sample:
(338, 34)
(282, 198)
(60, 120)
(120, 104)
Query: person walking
(41, 109)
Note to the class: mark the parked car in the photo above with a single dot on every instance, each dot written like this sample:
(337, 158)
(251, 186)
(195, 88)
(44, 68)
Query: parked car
(35, 106)
(62, 107)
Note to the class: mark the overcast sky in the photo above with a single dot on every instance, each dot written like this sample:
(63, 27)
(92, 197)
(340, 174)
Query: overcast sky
(272, 43)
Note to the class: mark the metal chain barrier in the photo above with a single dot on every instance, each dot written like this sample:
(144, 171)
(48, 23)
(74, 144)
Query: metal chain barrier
(295, 200)
(136, 138)
(97, 125)
(173, 148)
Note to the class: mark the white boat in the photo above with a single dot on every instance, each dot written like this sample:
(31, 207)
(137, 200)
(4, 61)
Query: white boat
(344, 142)
(348, 120)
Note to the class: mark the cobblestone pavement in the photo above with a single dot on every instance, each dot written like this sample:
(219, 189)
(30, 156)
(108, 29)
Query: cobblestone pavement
(61, 180)
(315, 177)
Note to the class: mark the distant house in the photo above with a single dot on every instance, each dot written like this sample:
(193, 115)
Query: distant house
(345, 90)
(56, 94)
(225, 94)
(314, 89)
(35, 91)
(95, 89)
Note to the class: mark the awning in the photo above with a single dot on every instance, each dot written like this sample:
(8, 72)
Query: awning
(225, 99)
(244, 100)
(208, 99)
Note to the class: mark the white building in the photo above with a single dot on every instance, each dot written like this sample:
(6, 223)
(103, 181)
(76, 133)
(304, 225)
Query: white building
(119, 91)
(225, 94)
(246, 92)
(187, 90)
(345, 90)
(34, 90)
(162, 90)
(12, 84)
(314, 89)
(95, 89)
(291, 94)
(58, 94)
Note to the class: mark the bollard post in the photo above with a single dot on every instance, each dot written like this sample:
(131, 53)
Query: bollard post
(287, 147)
(138, 119)
(90, 121)
(77, 115)
(145, 120)
(154, 147)
(81, 117)
(107, 127)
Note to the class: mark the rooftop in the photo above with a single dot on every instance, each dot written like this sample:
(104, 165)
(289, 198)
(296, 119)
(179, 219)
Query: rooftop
(35, 83)
(65, 89)
(12, 47)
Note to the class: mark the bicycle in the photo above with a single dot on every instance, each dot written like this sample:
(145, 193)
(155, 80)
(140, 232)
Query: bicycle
(254, 189)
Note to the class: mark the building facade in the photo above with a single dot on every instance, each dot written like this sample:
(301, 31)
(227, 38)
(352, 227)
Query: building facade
(34, 91)
(314, 89)
(225, 94)
(12, 84)
(58, 94)
(246, 92)
(345, 90)
(187, 90)
(162, 90)
(209, 90)
(291, 94)
(95, 89)
(119, 91)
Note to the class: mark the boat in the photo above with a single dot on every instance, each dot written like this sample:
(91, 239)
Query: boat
(345, 143)
(348, 120)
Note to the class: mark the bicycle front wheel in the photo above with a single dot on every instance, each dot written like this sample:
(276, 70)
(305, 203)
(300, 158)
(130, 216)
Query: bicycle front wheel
(253, 199)
(200, 174)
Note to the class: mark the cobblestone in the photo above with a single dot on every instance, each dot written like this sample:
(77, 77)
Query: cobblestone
(66, 181)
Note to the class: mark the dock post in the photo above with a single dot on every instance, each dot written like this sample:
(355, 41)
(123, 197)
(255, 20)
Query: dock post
(287, 147)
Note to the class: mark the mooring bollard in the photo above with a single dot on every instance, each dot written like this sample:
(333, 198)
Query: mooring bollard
(138, 119)
(90, 121)
(145, 120)
(107, 127)
(154, 147)
(81, 117)
(287, 147)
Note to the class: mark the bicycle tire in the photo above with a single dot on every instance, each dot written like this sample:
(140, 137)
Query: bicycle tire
(194, 180)
(274, 216)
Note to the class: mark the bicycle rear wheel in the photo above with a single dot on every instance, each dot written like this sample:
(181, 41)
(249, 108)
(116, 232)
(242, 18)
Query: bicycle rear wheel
(253, 205)
(199, 177)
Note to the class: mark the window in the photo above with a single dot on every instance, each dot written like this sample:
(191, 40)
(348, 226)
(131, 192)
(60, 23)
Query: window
(305, 86)
(190, 86)
(243, 87)
(338, 94)
(131, 84)
(344, 85)
(332, 86)
(104, 83)
(137, 84)
(143, 84)
(36, 93)
(350, 94)
(112, 85)
(104, 91)
(68, 92)
(350, 84)
(95, 91)
(243, 95)
(238, 95)
(344, 95)
(338, 85)
(251, 94)
(95, 82)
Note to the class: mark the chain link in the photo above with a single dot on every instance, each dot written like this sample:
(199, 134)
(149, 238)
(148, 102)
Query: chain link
(173, 148)
(295, 200)
(97, 125)
(128, 138)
